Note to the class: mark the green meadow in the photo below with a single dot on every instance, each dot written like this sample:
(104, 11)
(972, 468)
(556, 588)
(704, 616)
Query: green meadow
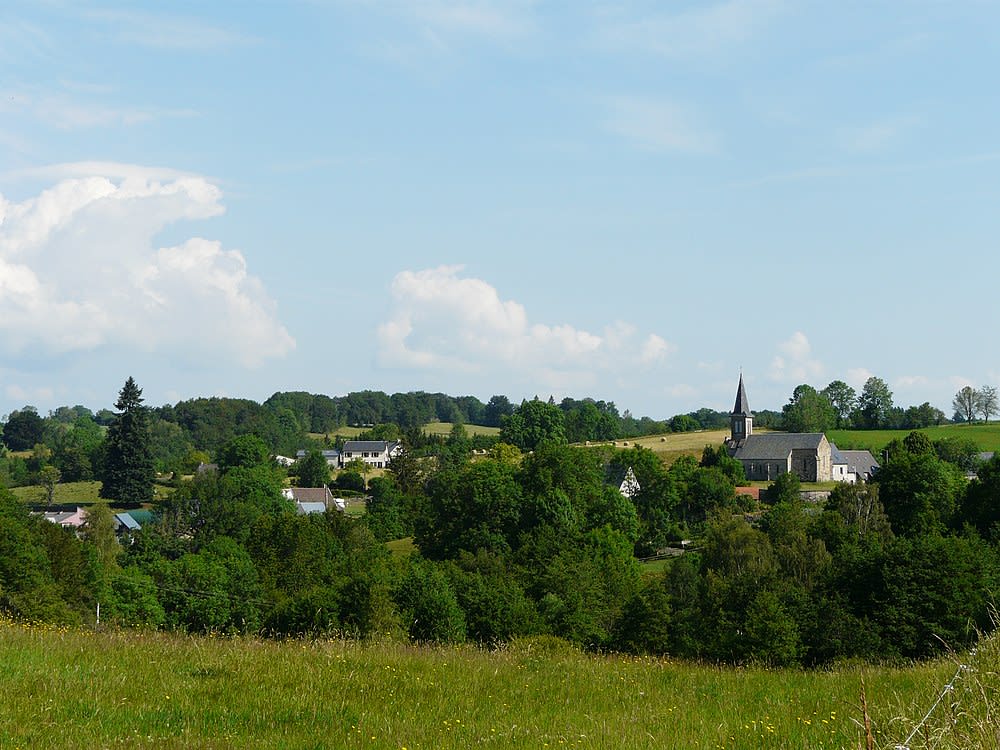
(985, 436)
(69, 689)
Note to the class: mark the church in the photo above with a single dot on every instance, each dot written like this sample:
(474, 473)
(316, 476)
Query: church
(809, 455)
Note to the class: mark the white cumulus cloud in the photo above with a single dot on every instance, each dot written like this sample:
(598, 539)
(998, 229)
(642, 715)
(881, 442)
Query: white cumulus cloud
(79, 270)
(442, 320)
(794, 362)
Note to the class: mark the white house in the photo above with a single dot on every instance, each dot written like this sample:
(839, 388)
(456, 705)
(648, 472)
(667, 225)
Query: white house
(375, 453)
(313, 499)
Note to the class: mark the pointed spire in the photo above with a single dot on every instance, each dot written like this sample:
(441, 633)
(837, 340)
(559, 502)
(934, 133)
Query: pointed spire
(742, 407)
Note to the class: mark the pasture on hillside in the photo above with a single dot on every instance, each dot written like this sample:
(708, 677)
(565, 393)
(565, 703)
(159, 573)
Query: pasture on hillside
(66, 689)
(985, 436)
(65, 493)
(674, 445)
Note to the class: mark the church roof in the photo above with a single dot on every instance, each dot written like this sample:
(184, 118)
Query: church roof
(776, 446)
(742, 408)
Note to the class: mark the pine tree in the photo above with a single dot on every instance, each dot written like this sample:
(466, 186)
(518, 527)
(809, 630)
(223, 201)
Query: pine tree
(128, 473)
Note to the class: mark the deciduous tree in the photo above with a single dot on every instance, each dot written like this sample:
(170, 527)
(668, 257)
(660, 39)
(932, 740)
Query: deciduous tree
(843, 398)
(966, 403)
(875, 404)
(312, 470)
(24, 428)
(987, 402)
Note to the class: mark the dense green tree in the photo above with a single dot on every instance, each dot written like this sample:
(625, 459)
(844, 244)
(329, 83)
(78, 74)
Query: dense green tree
(844, 400)
(27, 588)
(428, 605)
(243, 451)
(386, 512)
(131, 600)
(583, 584)
(169, 445)
(497, 408)
(808, 411)
(925, 415)
(494, 603)
(532, 424)
(127, 474)
(785, 488)
(719, 457)
(476, 506)
(742, 616)
(874, 404)
(861, 512)
(646, 624)
(934, 592)
(23, 429)
(350, 480)
(683, 423)
(980, 505)
(961, 451)
(312, 470)
(919, 491)
(77, 449)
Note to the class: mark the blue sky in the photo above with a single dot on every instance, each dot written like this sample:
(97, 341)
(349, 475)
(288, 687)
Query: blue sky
(626, 200)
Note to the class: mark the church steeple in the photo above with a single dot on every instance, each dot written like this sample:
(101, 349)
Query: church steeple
(741, 420)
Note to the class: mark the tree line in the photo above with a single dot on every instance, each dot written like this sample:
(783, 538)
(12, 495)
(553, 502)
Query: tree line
(839, 406)
(69, 442)
(534, 538)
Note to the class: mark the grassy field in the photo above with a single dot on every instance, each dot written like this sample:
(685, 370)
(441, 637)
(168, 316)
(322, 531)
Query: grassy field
(433, 428)
(74, 493)
(444, 428)
(68, 493)
(671, 447)
(986, 436)
(76, 689)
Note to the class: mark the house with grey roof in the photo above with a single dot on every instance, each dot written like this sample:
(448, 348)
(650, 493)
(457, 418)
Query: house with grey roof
(808, 455)
(375, 453)
(861, 465)
(312, 499)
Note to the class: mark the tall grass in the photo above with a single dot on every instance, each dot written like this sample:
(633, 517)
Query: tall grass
(65, 689)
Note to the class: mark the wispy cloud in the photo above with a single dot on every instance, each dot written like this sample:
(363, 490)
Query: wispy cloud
(877, 135)
(490, 19)
(66, 110)
(703, 33)
(869, 170)
(441, 320)
(21, 41)
(414, 29)
(659, 125)
(167, 31)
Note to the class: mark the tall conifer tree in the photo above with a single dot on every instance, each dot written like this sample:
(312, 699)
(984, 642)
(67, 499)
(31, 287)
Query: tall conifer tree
(128, 460)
